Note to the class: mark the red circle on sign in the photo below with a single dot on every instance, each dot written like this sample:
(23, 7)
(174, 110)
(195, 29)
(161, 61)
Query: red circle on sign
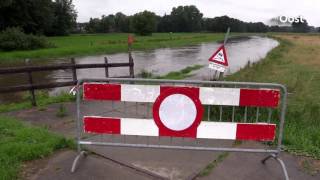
(189, 131)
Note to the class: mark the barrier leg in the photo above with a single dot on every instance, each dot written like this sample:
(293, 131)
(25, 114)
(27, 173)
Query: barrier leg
(266, 158)
(77, 159)
(283, 166)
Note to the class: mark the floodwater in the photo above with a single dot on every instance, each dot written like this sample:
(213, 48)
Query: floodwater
(158, 61)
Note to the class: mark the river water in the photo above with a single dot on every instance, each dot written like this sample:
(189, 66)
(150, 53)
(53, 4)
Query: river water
(158, 61)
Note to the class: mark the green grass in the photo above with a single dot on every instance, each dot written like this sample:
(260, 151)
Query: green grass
(91, 44)
(184, 73)
(20, 142)
(294, 63)
(42, 99)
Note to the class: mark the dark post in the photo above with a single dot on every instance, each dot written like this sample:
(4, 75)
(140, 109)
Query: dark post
(74, 71)
(33, 96)
(106, 67)
(131, 65)
(215, 75)
(221, 76)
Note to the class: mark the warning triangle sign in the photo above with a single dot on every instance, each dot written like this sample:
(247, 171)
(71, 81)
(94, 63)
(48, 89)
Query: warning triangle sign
(220, 56)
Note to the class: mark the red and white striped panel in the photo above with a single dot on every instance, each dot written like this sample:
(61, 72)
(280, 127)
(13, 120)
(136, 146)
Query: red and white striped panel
(208, 130)
(207, 95)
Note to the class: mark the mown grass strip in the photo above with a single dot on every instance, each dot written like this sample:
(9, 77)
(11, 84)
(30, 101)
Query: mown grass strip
(20, 142)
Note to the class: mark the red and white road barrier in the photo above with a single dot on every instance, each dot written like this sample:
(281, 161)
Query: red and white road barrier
(208, 130)
(178, 110)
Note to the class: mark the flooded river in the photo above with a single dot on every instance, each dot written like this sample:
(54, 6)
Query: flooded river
(158, 61)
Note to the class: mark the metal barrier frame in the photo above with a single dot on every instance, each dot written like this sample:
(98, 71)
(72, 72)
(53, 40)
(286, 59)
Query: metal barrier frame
(273, 153)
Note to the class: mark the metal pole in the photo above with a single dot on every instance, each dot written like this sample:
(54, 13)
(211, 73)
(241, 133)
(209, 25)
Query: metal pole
(226, 36)
(224, 43)
(282, 117)
(78, 101)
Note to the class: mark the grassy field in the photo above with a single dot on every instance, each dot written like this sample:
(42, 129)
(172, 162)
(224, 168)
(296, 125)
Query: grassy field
(79, 45)
(295, 63)
(20, 142)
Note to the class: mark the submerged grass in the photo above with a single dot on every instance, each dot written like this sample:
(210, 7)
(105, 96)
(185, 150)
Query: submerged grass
(294, 63)
(182, 74)
(20, 142)
(92, 44)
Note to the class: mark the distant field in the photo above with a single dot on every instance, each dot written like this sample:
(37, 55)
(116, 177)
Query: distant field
(296, 64)
(79, 45)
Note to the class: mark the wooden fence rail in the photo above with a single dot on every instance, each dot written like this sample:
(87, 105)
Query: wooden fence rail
(31, 86)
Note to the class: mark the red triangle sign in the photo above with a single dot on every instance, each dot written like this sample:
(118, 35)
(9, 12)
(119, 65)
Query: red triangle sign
(220, 56)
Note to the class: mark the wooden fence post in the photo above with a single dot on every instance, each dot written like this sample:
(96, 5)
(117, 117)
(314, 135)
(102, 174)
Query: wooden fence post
(131, 64)
(106, 67)
(74, 71)
(33, 96)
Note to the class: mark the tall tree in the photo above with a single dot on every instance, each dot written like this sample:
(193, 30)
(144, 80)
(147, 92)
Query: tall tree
(165, 24)
(122, 22)
(64, 17)
(186, 19)
(144, 23)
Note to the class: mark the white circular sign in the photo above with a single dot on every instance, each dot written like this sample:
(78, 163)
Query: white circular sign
(177, 112)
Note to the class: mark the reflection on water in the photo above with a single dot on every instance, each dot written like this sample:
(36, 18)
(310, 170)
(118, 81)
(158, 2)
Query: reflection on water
(158, 61)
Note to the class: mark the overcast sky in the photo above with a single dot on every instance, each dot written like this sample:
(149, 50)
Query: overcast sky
(246, 10)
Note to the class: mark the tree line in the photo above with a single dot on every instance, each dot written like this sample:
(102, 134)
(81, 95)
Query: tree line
(58, 17)
(181, 19)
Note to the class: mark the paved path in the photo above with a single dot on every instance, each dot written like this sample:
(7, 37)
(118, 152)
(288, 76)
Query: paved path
(171, 164)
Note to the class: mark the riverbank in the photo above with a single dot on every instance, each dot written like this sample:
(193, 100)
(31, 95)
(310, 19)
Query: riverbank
(295, 63)
(93, 44)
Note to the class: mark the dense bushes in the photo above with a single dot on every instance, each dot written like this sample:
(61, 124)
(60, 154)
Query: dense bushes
(47, 17)
(14, 39)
